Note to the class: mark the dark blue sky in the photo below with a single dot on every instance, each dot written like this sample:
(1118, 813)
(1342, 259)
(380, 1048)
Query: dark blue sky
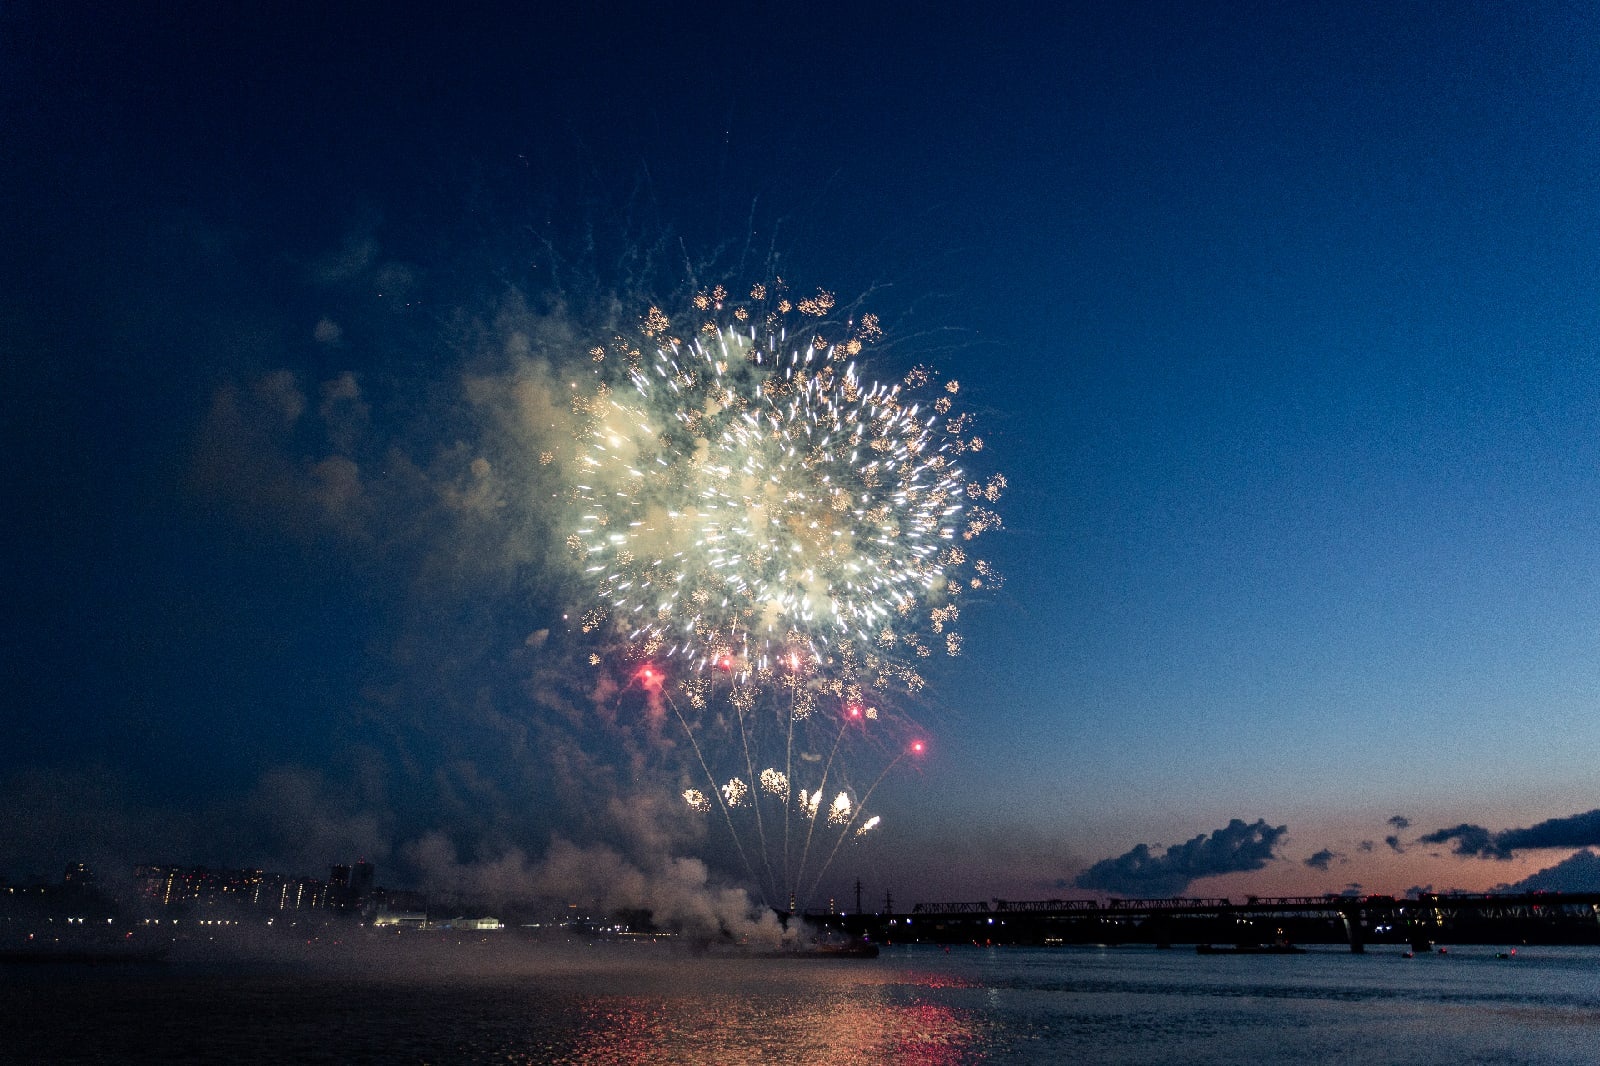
(1280, 319)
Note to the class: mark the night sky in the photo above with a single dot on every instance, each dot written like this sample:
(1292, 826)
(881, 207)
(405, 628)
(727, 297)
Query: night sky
(1282, 321)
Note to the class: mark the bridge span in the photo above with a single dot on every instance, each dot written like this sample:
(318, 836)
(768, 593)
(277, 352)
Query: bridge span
(1431, 918)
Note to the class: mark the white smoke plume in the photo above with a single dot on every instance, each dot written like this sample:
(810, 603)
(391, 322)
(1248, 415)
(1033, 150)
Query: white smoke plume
(677, 892)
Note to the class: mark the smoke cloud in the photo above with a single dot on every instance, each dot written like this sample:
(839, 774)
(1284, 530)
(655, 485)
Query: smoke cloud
(678, 893)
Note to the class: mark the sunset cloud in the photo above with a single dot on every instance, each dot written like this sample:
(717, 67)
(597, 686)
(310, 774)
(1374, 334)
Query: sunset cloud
(1574, 831)
(1235, 848)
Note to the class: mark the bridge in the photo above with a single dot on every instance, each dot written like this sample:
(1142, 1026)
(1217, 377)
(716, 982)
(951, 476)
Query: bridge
(1450, 918)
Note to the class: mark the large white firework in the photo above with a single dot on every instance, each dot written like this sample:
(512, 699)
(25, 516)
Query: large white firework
(748, 498)
(765, 525)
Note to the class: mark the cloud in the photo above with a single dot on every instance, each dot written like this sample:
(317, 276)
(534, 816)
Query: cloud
(1323, 859)
(1237, 847)
(344, 412)
(1400, 823)
(1469, 839)
(1365, 846)
(1579, 872)
(1574, 831)
(463, 491)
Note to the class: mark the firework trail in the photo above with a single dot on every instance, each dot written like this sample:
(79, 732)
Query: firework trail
(776, 542)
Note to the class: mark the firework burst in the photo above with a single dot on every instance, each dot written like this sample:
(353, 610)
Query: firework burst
(779, 533)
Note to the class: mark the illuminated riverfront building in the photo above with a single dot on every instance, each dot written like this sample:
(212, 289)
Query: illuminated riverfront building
(169, 885)
(347, 890)
(350, 888)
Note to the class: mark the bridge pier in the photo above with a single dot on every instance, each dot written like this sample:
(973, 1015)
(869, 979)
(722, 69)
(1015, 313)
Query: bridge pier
(1352, 931)
(1422, 928)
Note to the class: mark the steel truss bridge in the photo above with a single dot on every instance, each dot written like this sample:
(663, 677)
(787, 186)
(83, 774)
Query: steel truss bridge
(1453, 918)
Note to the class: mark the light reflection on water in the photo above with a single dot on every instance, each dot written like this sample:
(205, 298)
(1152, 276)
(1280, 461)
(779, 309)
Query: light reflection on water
(826, 1029)
(912, 1005)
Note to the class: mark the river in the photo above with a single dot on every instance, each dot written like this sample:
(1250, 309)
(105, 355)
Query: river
(483, 1003)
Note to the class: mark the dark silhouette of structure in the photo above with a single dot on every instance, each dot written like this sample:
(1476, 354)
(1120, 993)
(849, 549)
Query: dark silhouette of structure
(1432, 918)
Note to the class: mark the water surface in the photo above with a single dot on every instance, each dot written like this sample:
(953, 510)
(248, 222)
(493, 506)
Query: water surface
(597, 1004)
